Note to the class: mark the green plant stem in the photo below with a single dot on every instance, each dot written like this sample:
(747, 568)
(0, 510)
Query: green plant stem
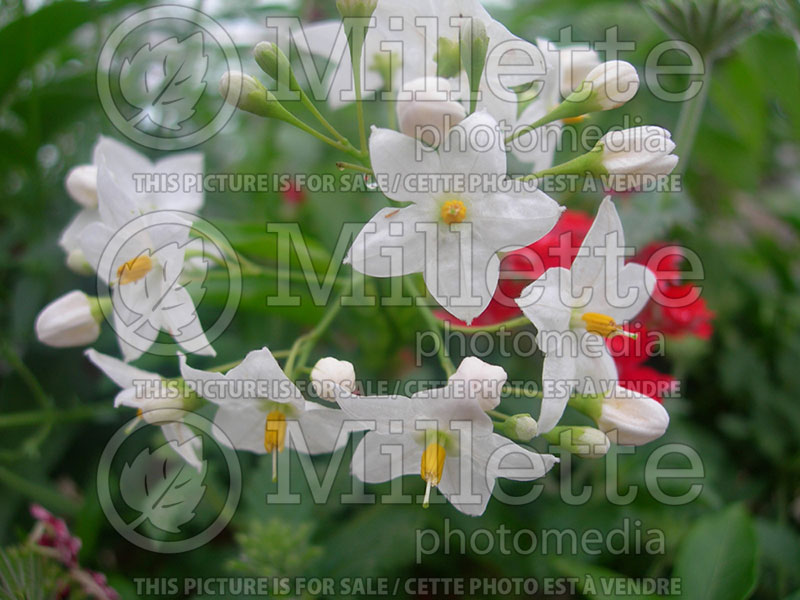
(353, 167)
(433, 323)
(518, 391)
(306, 342)
(510, 324)
(497, 415)
(56, 502)
(689, 121)
(325, 123)
(75, 414)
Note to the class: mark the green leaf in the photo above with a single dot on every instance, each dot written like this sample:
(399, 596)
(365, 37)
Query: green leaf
(595, 582)
(718, 558)
(23, 41)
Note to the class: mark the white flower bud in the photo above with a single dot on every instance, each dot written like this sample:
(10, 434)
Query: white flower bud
(77, 263)
(586, 442)
(609, 85)
(71, 320)
(81, 184)
(330, 373)
(632, 419)
(525, 427)
(576, 62)
(479, 381)
(638, 151)
(243, 91)
(425, 110)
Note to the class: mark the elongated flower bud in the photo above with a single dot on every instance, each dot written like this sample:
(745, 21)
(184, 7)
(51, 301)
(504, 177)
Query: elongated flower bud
(425, 111)
(71, 320)
(274, 63)
(245, 92)
(330, 373)
(637, 151)
(81, 184)
(608, 85)
(586, 442)
(356, 8)
(630, 418)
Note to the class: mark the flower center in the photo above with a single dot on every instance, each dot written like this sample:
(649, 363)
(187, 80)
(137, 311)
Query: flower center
(453, 211)
(275, 431)
(603, 325)
(574, 120)
(134, 269)
(431, 468)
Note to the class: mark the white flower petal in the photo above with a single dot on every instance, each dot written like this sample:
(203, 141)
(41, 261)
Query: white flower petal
(402, 165)
(476, 147)
(515, 220)
(603, 245)
(324, 430)
(119, 372)
(558, 377)
(380, 457)
(179, 318)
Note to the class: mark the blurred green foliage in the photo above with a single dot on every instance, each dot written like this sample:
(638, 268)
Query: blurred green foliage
(740, 212)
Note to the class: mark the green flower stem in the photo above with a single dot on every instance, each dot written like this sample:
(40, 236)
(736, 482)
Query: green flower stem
(352, 167)
(433, 323)
(75, 414)
(497, 415)
(306, 342)
(689, 121)
(518, 391)
(312, 108)
(510, 324)
(58, 503)
(580, 165)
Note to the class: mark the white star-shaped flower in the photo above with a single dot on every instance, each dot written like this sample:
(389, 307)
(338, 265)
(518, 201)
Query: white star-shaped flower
(257, 405)
(453, 227)
(575, 309)
(157, 403)
(445, 437)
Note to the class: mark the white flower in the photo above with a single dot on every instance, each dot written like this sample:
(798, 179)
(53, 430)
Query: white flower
(608, 85)
(141, 181)
(479, 381)
(417, 48)
(81, 184)
(71, 320)
(157, 403)
(575, 309)
(451, 235)
(257, 405)
(446, 440)
(640, 150)
(631, 418)
(424, 107)
(236, 87)
(574, 64)
(330, 372)
(144, 272)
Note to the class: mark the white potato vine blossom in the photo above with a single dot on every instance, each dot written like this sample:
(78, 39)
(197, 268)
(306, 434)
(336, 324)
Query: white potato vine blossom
(452, 229)
(257, 403)
(134, 174)
(445, 437)
(143, 263)
(156, 403)
(575, 309)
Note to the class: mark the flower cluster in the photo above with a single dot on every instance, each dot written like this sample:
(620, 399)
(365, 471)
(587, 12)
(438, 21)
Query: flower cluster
(454, 220)
(52, 534)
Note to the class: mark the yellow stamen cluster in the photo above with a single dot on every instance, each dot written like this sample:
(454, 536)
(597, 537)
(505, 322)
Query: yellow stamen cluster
(601, 324)
(453, 211)
(275, 431)
(431, 468)
(134, 269)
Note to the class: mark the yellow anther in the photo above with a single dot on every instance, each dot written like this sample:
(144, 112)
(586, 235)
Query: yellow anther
(453, 211)
(574, 120)
(134, 269)
(431, 468)
(275, 431)
(603, 325)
